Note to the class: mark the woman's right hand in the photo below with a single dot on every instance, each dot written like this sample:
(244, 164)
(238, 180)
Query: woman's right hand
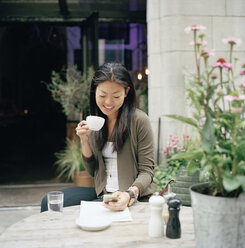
(83, 132)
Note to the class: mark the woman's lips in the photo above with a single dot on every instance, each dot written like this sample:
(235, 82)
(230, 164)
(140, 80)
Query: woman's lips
(108, 108)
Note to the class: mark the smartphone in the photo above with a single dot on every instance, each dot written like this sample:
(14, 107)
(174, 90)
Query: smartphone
(110, 198)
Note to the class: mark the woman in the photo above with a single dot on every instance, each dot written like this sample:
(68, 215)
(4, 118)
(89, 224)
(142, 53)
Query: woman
(120, 156)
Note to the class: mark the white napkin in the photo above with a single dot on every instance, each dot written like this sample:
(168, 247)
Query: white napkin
(92, 209)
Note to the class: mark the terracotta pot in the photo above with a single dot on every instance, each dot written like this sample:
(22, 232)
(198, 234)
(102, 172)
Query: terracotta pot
(70, 130)
(83, 179)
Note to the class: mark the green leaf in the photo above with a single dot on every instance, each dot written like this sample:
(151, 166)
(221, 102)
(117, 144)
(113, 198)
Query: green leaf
(240, 150)
(184, 119)
(242, 124)
(187, 155)
(231, 183)
(192, 167)
(241, 179)
(204, 172)
(211, 91)
(208, 135)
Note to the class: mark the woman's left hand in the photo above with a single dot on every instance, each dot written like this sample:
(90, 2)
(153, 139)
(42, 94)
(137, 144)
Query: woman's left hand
(121, 204)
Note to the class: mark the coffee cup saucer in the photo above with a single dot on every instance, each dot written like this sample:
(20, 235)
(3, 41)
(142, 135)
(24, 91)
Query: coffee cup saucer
(93, 224)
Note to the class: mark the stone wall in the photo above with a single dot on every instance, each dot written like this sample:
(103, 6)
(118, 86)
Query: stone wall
(169, 52)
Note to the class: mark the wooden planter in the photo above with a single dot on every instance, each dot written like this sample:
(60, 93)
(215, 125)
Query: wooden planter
(182, 184)
(83, 179)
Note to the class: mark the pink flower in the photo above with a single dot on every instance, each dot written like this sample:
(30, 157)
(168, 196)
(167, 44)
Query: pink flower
(234, 98)
(194, 28)
(243, 83)
(232, 41)
(173, 139)
(221, 63)
(219, 91)
(207, 53)
(236, 110)
(166, 151)
(242, 72)
(186, 137)
(221, 60)
(214, 75)
(228, 66)
(174, 146)
(199, 43)
(229, 98)
(182, 149)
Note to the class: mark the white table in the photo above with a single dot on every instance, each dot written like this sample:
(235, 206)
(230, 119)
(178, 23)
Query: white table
(41, 230)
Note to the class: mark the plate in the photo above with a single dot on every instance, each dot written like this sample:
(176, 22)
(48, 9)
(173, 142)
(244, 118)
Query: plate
(93, 224)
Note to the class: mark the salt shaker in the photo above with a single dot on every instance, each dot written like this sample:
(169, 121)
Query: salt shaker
(173, 230)
(156, 224)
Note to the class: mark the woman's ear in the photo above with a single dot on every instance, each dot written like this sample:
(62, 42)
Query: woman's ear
(126, 92)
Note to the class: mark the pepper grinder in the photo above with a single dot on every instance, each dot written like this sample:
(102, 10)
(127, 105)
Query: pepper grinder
(156, 224)
(173, 226)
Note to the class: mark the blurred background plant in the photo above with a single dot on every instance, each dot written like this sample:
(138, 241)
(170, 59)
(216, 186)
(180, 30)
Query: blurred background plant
(69, 160)
(142, 93)
(169, 168)
(70, 88)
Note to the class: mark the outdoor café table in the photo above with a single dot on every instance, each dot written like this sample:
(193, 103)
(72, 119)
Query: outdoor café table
(42, 230)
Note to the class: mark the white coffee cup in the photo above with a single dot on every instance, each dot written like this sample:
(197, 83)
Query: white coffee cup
(95, 123)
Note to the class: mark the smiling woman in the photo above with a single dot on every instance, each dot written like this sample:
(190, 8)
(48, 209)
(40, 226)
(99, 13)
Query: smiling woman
(120, 156)
(110, 97)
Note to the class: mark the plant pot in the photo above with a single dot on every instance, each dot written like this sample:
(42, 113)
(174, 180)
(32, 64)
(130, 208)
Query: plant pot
(83, 179)
(219, 222)
(182, 184)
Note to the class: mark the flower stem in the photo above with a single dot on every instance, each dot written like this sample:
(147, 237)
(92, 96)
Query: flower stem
(219, 180)
(207, 93)
(222, 87)
(196, 59)
(232, 71)
(233, 146)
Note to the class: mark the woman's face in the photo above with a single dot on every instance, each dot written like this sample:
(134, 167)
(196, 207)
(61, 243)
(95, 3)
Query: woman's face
(110, 97)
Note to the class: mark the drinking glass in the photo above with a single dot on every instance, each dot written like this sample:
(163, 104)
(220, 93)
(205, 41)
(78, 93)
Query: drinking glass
(55, 201)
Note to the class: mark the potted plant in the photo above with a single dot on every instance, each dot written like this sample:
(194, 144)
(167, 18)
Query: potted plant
(176, 169)
(70, 165)
(70, 88)
(217, 99)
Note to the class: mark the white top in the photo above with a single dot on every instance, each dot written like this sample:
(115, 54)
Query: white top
(110, 159)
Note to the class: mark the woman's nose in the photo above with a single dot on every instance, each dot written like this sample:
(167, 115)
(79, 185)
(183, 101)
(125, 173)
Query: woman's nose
(108, 100)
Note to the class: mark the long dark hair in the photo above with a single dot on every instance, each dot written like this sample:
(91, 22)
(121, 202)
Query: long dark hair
(113, 72)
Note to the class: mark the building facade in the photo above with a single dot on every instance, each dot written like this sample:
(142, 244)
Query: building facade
(170, 52)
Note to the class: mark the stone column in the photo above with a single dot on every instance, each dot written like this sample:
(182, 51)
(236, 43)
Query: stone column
(169, 52)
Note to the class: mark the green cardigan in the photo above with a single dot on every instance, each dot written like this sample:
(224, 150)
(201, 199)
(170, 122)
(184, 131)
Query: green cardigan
(135, 160)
